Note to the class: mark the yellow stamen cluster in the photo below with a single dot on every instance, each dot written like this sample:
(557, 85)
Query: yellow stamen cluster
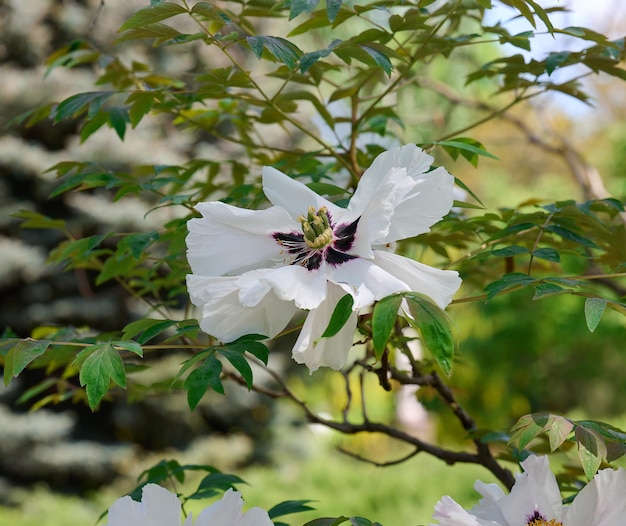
(316, 228)
(541, 522)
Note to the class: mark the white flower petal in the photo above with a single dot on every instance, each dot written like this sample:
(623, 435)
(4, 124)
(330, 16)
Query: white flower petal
(316, 352)
(228, 512)
(158, 507)
(487, 509)
(450, 513)
(416, 208)
(223, 315)
(535, 490)
(439, 285)
(366, 281)
(230, 240)
(602, 502)
(293, 196)
(307, 288)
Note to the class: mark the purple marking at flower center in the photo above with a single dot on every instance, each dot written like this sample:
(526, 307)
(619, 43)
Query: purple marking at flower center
(335, 253)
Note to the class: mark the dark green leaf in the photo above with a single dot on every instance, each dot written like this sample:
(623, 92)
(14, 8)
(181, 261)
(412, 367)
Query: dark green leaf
(548, 289)
(341, 314)
(332, 9)
(146, 329)
(137, 243)
(239, 362)
(301, 6)
(549, 254)
(200, 379)
(508, 281)
(289, 506)
(568, 234)
(280, 48)
(380, 58)
(99, 368)
(118, 118)
(513, 250)
(434, 328)
(77, 104)
(383, 320)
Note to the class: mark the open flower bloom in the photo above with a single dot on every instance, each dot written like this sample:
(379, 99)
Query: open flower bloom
(253, 269)
(535, 500)
(159, 507)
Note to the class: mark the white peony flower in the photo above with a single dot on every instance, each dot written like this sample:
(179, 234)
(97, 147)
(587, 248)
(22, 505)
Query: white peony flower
(253, 269)
(159, 507)
(535, 500)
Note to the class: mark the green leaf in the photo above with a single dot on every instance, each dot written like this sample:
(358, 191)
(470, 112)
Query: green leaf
(37, 220)
(548, 254)
(341, 314)
(21, 355)
(380, 58)
(383, 320)
(136, 244)
(146, 329)
(332, 9)
(513, 250)
(302, 6)
(200, 379)
(129, 345)
(118, 118)
(115, 266)
(308, 59)
(239, 362)
(508, 281)
(151, 15)
(77, 104)
(548, 289)
(568, 234)
(288, 507)
(327, 521)
(591, 449)
(469, 148)
(558, 429)
(434, 327)
(141, 103)
(99, 368)
(280, 48)
(527, 428)
(249, 343)
(594, 309)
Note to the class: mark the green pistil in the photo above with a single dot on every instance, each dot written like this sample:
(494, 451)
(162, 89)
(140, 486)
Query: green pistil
(316, 228)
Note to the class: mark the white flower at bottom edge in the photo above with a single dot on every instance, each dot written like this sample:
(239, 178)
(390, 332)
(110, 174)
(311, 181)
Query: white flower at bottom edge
(535, 500)
(252, 270)
(160, 507)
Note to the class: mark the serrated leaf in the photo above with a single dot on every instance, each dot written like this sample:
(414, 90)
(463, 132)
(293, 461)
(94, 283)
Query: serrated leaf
(239, 362)
(151, 15)
(341, 314)
(383, 320)
(434, 328)
(99, 368)
(594, 309)
(200, 379)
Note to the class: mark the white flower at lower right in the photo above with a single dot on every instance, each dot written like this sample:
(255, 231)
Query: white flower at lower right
(535, 500)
